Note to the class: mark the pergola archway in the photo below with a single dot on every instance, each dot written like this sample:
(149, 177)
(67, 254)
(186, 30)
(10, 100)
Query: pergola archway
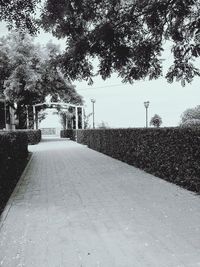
(62, 105)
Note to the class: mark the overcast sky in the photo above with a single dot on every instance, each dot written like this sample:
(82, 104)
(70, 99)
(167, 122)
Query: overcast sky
(122, 105)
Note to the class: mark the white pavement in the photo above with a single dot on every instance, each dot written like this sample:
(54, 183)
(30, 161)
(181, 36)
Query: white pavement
(75, 207)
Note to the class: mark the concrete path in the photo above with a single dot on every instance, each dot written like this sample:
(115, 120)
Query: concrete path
(74, 207)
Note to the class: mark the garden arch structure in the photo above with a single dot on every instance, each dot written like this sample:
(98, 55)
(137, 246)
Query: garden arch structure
(62, 105)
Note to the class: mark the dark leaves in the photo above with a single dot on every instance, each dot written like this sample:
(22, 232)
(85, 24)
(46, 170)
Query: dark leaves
(19, 13)
(127, 37)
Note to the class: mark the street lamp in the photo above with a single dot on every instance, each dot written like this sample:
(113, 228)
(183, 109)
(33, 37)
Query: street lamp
(93, 101)
(5, 115)
(146, 105)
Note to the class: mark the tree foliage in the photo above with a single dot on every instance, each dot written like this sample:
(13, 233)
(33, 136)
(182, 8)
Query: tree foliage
(156, 121)
(19, 13)
(53, 82)
(127, 37)
(23, 64)
(191, 117)
(87, 120)
(30, 73)
(103, 125)
(191, 123)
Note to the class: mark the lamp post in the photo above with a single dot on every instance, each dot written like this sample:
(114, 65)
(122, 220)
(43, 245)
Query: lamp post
(146, 105)
(93, 101)
(5, 115)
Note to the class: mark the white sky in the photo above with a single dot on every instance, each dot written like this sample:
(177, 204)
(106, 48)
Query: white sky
(121, 105)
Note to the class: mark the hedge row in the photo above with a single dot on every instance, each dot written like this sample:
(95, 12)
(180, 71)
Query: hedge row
(34, 136)
(169, 153)
(69, 133)
(13, 158)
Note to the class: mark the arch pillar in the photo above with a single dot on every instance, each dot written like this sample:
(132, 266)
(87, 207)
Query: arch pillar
(34, 118)
(76, 114)
(82, 117)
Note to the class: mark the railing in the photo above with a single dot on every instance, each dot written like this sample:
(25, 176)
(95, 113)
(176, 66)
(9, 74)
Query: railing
(48, 131)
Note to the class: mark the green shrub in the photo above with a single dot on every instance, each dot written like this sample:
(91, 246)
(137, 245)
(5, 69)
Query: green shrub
(13, 158)
(34, 136)
(169, 153)
(69, 133)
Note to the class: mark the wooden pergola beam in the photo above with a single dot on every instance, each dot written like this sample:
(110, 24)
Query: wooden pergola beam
(63, 105)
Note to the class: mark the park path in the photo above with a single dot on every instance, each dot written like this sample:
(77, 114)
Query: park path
(75, 207)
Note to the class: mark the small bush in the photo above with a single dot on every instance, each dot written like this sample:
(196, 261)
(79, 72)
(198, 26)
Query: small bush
(34, 136)
(169, 153)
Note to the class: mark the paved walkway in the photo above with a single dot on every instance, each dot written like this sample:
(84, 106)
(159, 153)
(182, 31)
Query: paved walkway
(74, 207)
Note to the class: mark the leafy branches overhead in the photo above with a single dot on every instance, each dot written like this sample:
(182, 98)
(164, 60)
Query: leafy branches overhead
(127, 37)
(19, 13)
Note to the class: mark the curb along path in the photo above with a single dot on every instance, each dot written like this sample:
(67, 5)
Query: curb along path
(75, 207)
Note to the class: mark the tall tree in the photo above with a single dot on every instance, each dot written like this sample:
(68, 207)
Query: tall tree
(5, 64)
(156, 121)
(191, 117)
(32, 74)
(53, 80)
(21, 84)
(127, 37)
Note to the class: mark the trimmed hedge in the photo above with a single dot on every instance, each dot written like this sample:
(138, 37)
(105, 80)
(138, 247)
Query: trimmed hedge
(13, 158)
(34, 136)
(69, 133)
(169, 153)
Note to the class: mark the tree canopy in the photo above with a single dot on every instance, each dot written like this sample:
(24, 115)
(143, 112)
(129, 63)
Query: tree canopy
(191, 117)
(127, 37)
(19, 13)
(29, 73)
(156, 121)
